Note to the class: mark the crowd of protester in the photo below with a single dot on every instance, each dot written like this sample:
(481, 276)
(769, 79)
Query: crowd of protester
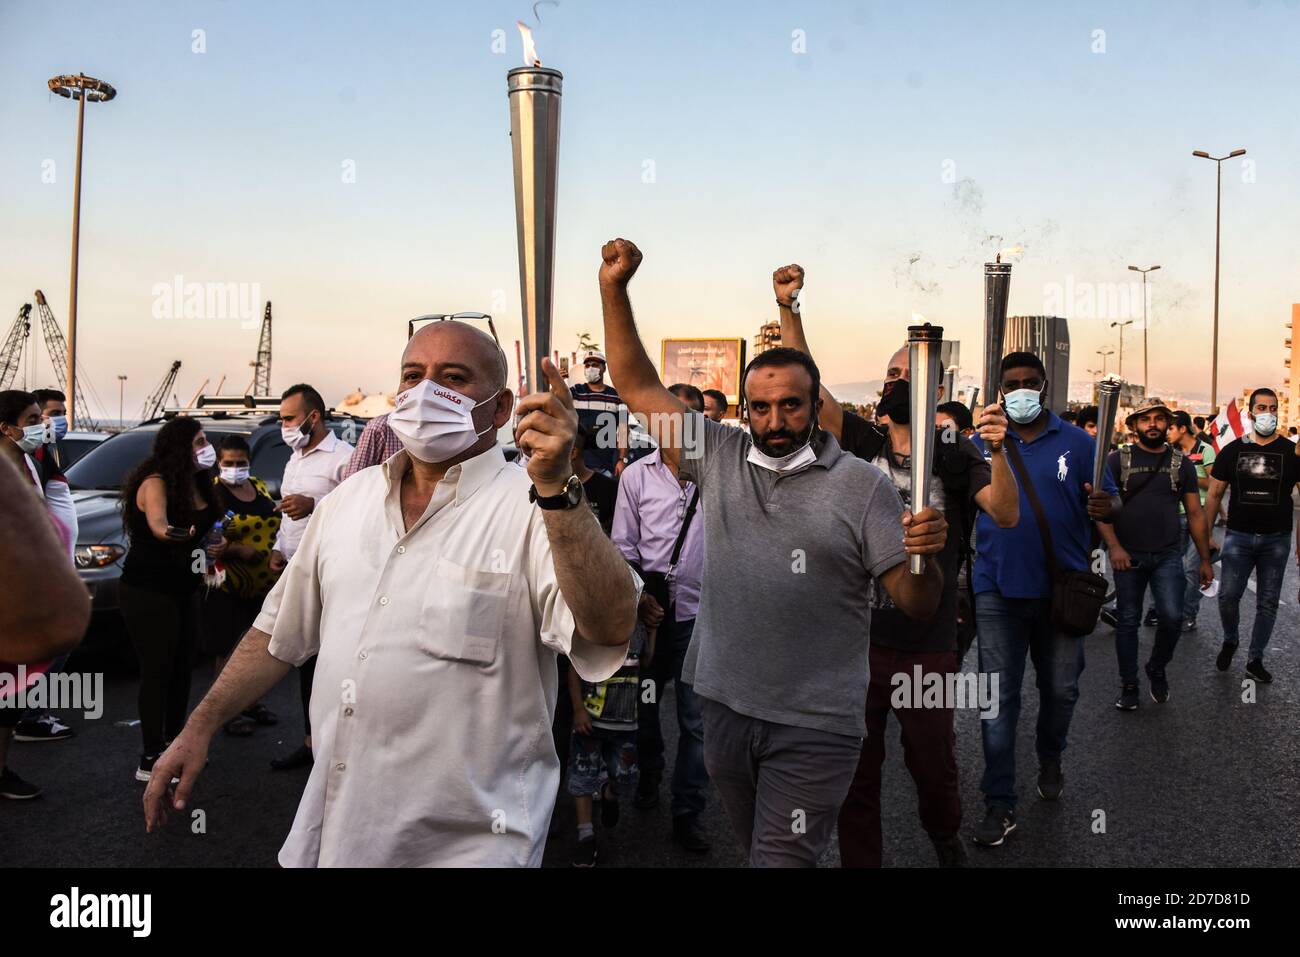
(459, 598)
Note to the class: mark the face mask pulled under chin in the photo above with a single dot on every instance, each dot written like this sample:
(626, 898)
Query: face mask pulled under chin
(435, 423)
(799, 458)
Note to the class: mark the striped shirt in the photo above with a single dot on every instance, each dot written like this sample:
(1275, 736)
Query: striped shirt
(377, 444)
(600, 413)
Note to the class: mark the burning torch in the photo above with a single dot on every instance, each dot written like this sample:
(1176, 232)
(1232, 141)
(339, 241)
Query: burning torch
(923, 350)
(1107, 405)
(534, 92)
(997, 286)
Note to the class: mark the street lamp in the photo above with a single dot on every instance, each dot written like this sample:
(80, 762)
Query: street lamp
(80, 88)
(1121, 343)
(1108, 352)
(1146, 383)
(121, 390)
(1218, 193)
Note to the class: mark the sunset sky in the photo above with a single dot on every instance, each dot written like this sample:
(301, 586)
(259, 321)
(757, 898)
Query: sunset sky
(902, 148)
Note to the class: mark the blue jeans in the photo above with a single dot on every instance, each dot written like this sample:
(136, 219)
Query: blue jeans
(1191, 570)
(1008, 629)
(1267, 556)
(1163, 571)
(690, 778)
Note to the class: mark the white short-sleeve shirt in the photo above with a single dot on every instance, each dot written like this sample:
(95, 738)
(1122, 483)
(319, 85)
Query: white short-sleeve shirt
(435, 680)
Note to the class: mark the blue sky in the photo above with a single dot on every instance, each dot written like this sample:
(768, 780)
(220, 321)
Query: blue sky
(882, 159)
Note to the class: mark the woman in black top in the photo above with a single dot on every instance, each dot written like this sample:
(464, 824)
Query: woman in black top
(168, 509)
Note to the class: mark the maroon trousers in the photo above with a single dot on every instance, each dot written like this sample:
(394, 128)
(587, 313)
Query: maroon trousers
(929, 750)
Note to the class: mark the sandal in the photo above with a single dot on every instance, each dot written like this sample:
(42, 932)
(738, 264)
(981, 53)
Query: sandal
(240, 727)
(261, 714)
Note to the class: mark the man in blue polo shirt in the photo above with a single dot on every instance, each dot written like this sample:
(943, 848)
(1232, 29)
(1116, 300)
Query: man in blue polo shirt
(1013, 589)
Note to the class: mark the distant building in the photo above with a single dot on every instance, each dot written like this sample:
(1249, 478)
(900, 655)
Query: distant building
(769, 337)
(1288, 400)
(1047, 337)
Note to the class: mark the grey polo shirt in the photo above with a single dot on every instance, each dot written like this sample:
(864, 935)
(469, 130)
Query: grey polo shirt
(785, 615)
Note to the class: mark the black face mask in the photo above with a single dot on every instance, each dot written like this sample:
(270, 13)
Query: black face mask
(896, 401)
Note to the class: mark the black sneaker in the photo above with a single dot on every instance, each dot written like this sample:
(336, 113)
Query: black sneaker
(45, 728)
(15, 788)
(1159, 684)
(1128, 697)
(585, 854)
(1189, 624)
(1151, 620)
(300, 757)
(1051, 782)
(144, 771)
(1224, 661)
(1257, 671)
(608, 807)
(688, 833)
(997, 824)
(647, 791)
(951, 851)
(1109, 617)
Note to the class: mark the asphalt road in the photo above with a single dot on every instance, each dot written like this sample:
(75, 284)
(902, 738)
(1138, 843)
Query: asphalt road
(1205, 780)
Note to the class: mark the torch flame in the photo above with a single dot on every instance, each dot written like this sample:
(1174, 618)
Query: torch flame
(1015, 250)
(530, 51)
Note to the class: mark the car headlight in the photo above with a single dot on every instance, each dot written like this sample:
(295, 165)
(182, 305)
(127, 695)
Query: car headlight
(97, 556)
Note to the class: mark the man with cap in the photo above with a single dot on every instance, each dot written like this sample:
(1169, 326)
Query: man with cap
(1146, 545)
(602, 413)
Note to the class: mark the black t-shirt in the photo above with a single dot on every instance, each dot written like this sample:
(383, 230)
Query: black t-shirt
(890, 628)
(1149, 520)
(602, 493)
(1261, 478)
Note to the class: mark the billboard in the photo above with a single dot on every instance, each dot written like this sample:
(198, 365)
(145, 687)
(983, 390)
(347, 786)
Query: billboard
(705, 364)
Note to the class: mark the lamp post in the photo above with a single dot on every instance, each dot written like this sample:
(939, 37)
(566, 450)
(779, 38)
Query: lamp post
(121, 391)
(80, 88)
(1146, 383)
(1121, 326)
(1108, 352)
(1218, 195)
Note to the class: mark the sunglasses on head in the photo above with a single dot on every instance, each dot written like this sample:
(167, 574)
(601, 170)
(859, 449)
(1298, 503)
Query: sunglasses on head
(453, 317)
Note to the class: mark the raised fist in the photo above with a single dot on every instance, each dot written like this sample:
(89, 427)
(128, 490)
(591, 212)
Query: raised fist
(620, 259)
(787, 281)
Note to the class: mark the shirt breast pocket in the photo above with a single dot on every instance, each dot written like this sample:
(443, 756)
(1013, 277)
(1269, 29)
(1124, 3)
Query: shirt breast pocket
(464, 613)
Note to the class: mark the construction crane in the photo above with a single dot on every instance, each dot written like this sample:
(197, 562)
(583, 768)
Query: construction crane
(11, 359)
(261, 384)
(159, 395)
(58, 351)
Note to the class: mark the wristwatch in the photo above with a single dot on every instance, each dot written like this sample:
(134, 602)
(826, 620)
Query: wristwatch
(571, 497)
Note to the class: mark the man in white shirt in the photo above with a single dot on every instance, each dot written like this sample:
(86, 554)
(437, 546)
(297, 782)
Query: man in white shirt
(316, 467)
(437, 589)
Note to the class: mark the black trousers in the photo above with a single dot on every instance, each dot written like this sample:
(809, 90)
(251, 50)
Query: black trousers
(164, 629)
(306, 673)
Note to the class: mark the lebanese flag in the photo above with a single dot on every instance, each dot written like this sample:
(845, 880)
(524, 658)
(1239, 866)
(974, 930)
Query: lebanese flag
(1228, 426)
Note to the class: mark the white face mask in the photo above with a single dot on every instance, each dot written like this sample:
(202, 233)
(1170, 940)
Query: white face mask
(206, 457)
(294, 436)
(435, 423)
(786, 463)
(1266, 423)
(234, 474)
(592, 374)
(33, 438)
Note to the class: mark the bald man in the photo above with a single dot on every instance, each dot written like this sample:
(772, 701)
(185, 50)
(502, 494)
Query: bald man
(436, 591)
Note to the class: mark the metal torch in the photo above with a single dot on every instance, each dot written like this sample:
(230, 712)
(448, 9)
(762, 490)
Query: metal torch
(997, 286)
(923, 350)
(534, 93)
(1107, 405)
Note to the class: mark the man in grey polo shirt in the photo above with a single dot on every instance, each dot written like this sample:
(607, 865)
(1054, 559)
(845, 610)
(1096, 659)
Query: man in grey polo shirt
(794, 530)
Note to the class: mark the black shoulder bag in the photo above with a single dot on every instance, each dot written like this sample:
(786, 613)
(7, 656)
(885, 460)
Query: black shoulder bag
(1077, 596)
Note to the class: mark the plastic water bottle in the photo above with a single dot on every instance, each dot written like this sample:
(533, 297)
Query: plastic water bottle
(214, 537)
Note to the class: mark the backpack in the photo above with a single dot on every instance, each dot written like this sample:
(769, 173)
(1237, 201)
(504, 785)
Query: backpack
(1126, 469)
